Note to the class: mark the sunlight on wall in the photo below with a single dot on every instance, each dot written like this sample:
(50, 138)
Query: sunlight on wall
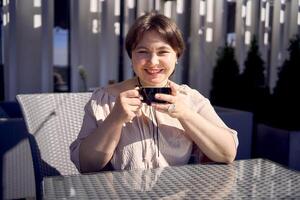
(37, 21)
(37, 3)
(131, 4)
(179, 6)
(5, 18)
(247, 37)
(168, 8)
(93, 6)
(210, 11)
(117, 8)
(202, 8)
(209, 35)
(248, 13)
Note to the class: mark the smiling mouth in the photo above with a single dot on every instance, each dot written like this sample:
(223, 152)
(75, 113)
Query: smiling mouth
(153, 71)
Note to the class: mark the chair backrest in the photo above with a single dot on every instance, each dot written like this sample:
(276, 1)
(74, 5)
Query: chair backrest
(242, 122)
(54, 119)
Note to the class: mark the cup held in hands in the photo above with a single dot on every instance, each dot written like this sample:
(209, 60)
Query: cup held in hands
(148, 94)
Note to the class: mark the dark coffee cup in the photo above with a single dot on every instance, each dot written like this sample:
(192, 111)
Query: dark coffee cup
(148, 94)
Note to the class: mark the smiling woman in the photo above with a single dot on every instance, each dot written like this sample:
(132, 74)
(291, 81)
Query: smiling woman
(128, 132)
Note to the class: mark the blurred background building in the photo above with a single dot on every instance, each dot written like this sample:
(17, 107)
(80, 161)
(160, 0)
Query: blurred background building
(77, 45)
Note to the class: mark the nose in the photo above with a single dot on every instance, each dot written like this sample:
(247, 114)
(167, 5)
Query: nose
(154, 60)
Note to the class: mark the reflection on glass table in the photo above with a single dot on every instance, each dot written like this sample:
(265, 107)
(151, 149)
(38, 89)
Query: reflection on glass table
(244, 179)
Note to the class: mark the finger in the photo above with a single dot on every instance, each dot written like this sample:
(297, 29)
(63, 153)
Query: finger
(135, 108)
(130, 119)
(133, 101)
(165, 97)
(131, 114)
(132, 109)
(138, 112)
(140, 96)
(160, 107)
(124, 100)
(173, 88)
(131, 93)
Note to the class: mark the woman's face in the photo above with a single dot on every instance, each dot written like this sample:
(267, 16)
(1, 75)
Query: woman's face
(153, 60)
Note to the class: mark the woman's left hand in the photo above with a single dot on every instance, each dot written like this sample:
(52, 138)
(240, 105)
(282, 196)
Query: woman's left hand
(175, 106)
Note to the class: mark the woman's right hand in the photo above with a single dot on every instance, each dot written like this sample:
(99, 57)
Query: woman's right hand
(128, 105)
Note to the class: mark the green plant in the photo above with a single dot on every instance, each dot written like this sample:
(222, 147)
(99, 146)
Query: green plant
(252, 88)
(286, 96)
(253, 74)
(225, 77)
(83, 77)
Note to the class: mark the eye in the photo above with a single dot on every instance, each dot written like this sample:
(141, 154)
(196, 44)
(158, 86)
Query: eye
(141, 51)
(164, 52)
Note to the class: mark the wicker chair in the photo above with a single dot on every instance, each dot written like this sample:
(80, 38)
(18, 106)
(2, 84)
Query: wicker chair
(54, 120)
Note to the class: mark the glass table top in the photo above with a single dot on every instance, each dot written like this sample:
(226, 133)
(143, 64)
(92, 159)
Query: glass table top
(243, 179)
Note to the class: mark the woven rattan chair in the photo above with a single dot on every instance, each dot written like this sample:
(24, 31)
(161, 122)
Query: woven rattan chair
(54, 119)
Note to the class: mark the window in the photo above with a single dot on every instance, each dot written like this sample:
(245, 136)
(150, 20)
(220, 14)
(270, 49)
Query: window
(61, 50)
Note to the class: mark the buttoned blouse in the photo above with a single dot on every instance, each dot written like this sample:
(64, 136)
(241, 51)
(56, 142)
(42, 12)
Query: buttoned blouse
(151, 140)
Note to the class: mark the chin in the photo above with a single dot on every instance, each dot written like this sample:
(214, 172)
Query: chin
(158, 84)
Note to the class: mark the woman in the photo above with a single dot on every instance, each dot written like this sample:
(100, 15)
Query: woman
(118, 128)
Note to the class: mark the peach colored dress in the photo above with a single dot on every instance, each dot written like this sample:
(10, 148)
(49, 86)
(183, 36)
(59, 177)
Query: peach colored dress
(158, 141)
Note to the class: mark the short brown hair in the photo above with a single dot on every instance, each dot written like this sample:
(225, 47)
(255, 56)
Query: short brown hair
(159, 23)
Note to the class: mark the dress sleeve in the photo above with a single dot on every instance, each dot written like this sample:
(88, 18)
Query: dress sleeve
(95, 111)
